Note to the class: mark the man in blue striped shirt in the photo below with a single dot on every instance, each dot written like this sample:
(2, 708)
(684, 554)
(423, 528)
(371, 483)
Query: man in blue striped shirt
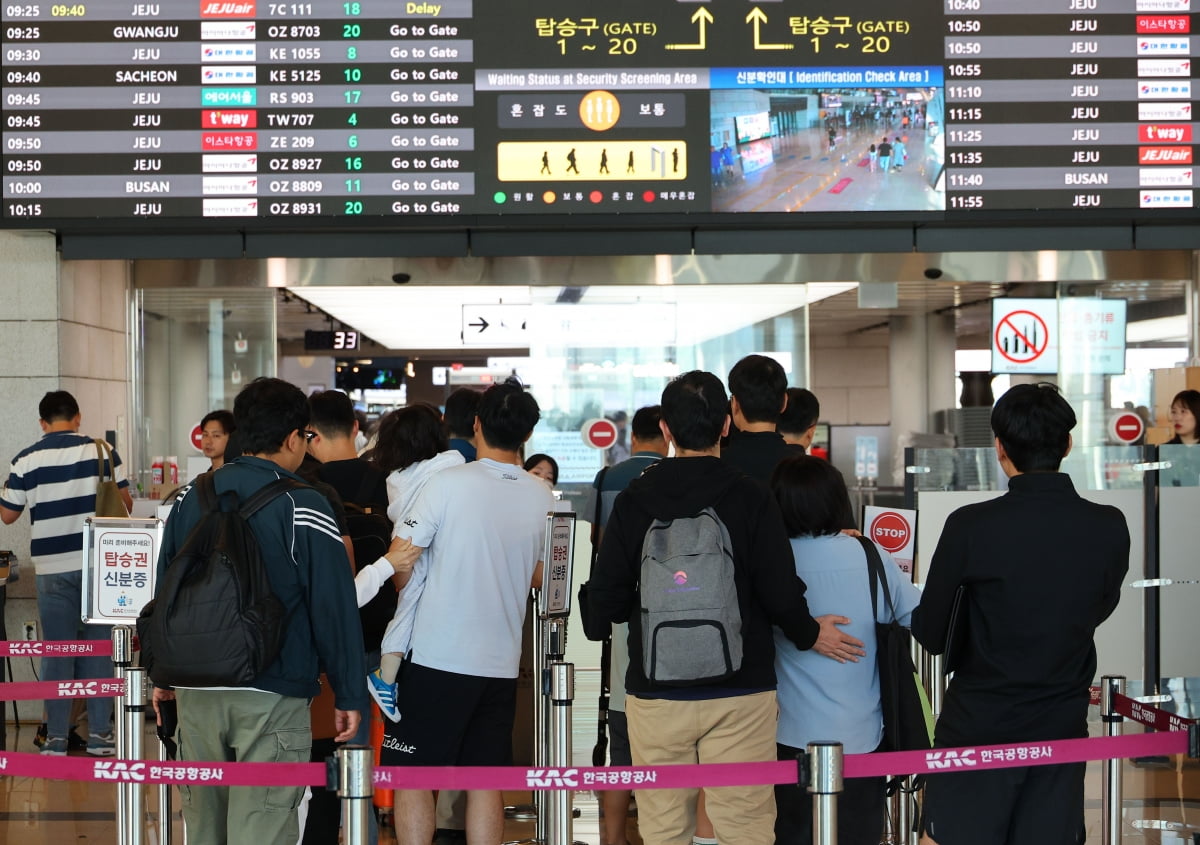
(56, 479)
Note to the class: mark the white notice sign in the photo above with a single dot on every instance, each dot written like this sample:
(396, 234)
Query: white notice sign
(554, 599)
(120, 558)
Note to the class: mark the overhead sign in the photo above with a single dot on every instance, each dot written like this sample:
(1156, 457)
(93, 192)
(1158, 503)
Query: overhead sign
(1126, 427)
(1025, 336)
(1091, 335)
(600, 433)
(895, 529)
(495, 325)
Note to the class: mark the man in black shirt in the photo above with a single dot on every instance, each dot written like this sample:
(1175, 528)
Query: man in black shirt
(331, 441)
(1041, 568)
(758, 388)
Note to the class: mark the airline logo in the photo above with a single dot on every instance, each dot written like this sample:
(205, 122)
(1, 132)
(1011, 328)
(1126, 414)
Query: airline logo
(229, 141)
(1164, 111)
(219, 9)
(230, 185)
(219, 119)
(1161, 24)
(1165, 133)
(232, 163)
(227, 30)
(229, 75)
(228, 97)
(1164, 5)
(1164, 46)
(1164, 155)
(230, 207)
(1164, 67)
(228, 53)
(1165, 199)
(1175, 89)
(1165, 177)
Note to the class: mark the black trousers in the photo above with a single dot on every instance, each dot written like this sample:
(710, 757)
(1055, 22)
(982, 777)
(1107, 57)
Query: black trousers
(860, 810)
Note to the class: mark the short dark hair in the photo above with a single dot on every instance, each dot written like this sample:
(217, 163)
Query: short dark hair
(332, 413)
(58, 406)
(812, 496)
(408, 435)
(540, 457)
(759, 385)
(802, 412)
(1033, 423)
(225, 418)
(266, 412)
(507, 415)
(694, 407)
(461, 408)
(645, 423)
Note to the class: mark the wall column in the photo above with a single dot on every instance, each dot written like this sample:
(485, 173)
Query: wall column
(922, 375)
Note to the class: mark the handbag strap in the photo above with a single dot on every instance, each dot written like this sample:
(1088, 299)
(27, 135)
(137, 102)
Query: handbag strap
(103, 450)
(877, 579)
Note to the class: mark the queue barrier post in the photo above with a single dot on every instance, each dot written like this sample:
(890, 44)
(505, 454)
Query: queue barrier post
(133, 706)
(561, 679)
(1111, 686)
(356, 789)
(164, 802)
(122, 657)
(825, 783)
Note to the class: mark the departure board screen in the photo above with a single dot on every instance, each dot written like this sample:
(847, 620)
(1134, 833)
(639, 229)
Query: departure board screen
(248, 110)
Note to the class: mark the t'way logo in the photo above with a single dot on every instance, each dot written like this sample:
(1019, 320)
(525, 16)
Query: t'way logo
(74, 689)
(543, 778)
(948, 759)
(119, 770)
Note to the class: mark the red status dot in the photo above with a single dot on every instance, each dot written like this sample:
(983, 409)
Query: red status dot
(648, 196)
(595, 196)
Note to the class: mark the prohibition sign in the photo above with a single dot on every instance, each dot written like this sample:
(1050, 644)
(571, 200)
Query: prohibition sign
(1022, 336)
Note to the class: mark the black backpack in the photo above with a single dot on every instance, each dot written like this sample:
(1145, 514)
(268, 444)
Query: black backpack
(371, 534)
(214, 621)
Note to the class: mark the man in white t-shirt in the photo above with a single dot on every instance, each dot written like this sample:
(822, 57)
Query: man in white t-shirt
(483, 527)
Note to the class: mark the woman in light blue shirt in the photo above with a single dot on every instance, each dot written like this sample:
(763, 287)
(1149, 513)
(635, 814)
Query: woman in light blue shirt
(820, 698)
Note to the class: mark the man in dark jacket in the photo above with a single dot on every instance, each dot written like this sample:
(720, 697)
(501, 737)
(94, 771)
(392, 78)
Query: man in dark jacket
(1041, 568)
(726, 721)
(758, 386)
(307, 567)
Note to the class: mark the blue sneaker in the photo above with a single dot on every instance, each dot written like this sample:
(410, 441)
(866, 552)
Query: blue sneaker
(54, 748)
(101, 745)
(384, 695)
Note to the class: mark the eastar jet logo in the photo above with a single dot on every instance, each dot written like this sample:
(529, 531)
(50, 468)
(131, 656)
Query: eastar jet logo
(74, 689)
(1164, 155)
(950, 759)
(1165, 133)
(551, 778)
(120, 770)
(226, 10)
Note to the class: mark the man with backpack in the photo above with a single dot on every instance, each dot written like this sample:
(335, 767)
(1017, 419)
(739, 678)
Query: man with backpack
(696, 558)
(260, 712)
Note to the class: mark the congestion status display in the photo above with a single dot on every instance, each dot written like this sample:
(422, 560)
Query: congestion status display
(244, 110)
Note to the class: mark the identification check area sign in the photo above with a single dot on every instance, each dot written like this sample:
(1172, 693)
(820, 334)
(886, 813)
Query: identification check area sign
(119, 561)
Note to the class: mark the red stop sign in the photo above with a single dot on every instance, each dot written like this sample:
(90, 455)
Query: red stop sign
(1126, 427)
(891, 531)
(600, 434)
(195, 437)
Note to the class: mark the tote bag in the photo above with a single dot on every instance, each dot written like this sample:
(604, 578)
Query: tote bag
(108, 495)
(907, 716)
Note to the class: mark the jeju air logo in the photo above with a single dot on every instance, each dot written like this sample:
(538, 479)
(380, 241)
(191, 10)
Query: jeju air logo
(680, 577)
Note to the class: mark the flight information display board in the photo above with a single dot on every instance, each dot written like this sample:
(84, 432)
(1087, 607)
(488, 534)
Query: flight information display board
(375, 109)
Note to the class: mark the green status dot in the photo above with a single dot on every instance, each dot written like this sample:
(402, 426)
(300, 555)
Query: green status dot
(499, 197)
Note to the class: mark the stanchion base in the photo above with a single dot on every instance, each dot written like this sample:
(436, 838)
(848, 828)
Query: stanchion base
(521, 812)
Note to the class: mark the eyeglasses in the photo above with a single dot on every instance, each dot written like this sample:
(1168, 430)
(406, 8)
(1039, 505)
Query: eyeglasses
(309, 434)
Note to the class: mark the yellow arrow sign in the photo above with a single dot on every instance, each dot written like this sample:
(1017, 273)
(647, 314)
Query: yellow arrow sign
(758, 17)
(702, 18)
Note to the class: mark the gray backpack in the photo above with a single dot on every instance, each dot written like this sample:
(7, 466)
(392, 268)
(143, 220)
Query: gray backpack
(691, 621)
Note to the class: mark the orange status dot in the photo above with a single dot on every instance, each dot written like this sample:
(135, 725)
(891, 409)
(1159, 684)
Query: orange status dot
(549, 197)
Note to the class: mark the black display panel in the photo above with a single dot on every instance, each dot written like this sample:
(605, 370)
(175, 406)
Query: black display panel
(388, 111)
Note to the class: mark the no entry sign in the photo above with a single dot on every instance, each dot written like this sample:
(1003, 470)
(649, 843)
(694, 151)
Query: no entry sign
(1126, 427)
(195, 437)
(1025, 336)
(599, 433)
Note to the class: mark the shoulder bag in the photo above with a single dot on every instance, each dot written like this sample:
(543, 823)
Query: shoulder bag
(108, 495)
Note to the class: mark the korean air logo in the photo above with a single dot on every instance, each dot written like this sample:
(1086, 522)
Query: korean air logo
(120, 770)
(1164, 47)
(680, 578)
(1165, 199)
(552, 778)
(74, 689)
(950, 759)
